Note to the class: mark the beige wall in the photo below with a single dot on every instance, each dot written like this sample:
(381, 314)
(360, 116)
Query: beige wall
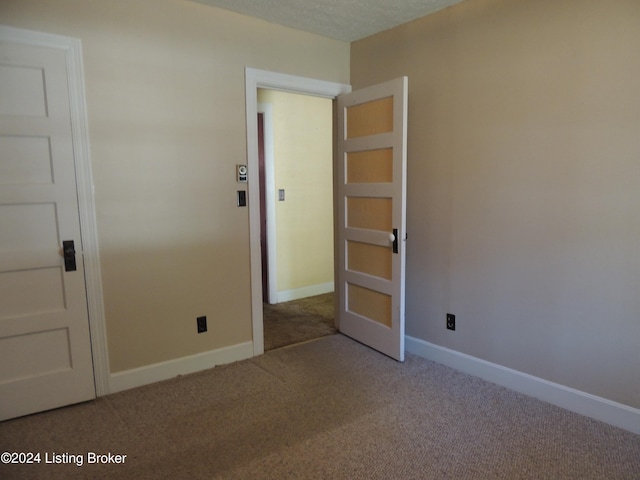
(303, 167)
(524, 184)
(165, 97)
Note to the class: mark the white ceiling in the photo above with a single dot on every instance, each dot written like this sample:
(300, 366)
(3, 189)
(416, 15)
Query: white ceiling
(346, 20)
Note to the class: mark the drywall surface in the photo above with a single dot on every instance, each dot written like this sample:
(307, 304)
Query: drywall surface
(166, 104)
(524, 184)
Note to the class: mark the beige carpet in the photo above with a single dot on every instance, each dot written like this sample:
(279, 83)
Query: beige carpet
(326, 409)
(298, 321)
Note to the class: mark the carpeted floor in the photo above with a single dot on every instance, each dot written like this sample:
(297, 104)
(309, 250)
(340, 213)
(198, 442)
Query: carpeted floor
(326, 409)
(298, 321)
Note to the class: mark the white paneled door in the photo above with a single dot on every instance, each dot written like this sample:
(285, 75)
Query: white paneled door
(45, 349)
(371, 164)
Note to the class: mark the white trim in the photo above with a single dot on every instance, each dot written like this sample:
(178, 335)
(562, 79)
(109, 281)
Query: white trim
(84, 183)
(255, 79)
(295, 84)
(613, 413)
(304, 292)
(270, 199)
(157, 372)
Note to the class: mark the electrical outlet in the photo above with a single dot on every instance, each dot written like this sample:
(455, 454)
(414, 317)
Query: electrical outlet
(202, 324)
(451, 321)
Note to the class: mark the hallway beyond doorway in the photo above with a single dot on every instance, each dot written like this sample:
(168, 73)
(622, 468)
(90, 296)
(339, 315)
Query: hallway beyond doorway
(298, 321)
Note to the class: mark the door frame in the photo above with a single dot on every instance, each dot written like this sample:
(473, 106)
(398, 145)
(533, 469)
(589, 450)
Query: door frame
(84, 186)
(254, 79)
(270, 202)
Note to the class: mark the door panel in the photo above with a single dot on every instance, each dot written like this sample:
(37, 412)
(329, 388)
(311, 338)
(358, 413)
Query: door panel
(45, 287)
(369, 304)
(370, 259)
(370, 166)
(370, 118)
(371, 214)
(27, 160)
(45, 353)
(18, 80)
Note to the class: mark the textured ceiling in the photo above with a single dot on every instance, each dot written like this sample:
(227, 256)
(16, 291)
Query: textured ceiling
(346, 20)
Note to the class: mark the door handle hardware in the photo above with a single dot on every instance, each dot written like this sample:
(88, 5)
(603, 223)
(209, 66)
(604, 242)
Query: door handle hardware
(395, 240)
(69, 253)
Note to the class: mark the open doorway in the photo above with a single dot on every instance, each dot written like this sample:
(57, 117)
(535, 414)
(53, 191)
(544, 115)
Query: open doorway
(295, 154)
(255, 79)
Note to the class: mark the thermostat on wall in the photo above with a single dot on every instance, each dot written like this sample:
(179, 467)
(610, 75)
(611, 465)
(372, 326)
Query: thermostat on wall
(241, 171)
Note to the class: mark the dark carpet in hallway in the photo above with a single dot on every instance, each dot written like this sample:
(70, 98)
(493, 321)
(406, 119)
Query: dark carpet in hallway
(298, 321)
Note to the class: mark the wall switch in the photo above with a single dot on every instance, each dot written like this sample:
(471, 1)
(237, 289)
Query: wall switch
(202, 324)
(242, 198)
(281, 195)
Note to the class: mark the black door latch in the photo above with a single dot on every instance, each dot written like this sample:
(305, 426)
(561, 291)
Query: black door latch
(69, 252)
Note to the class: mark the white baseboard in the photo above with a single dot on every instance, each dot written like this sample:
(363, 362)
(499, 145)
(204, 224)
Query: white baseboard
(304, 292)
(599, 408)
(157, 372)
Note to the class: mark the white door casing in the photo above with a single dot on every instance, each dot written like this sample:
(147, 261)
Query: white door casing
(371, 166)
(255, 79)
(388, 339)
(46, 197)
